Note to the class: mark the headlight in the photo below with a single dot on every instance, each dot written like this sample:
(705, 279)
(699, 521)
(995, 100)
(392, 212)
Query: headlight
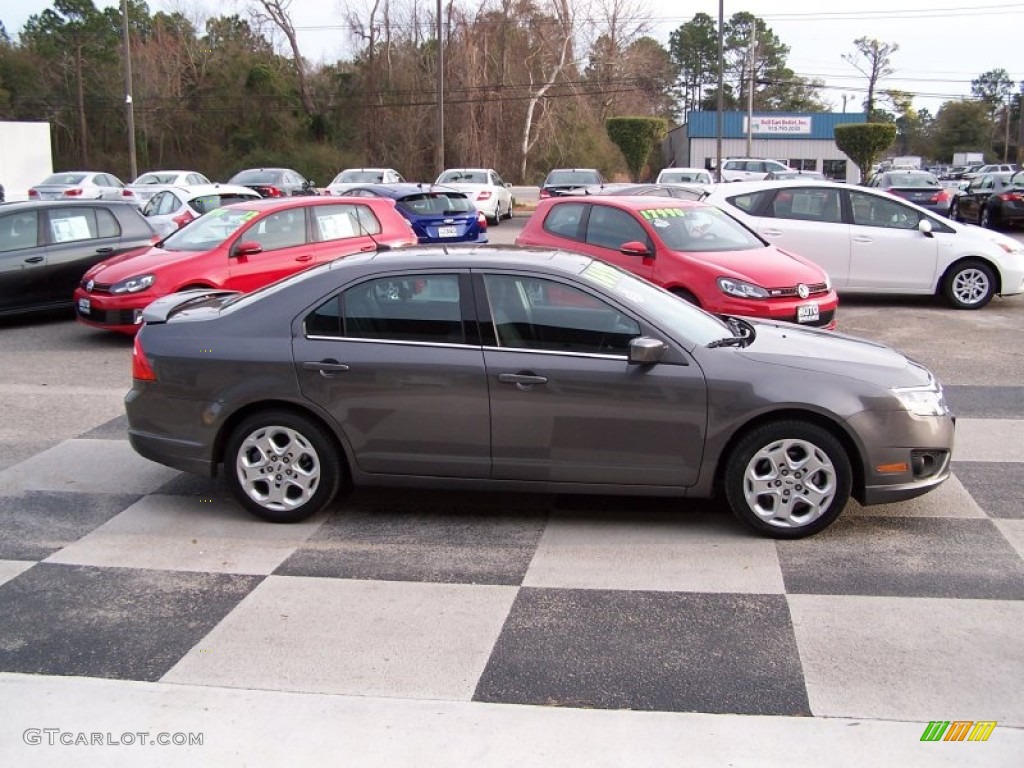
(133, 284)
(741, 289)
(922, 401)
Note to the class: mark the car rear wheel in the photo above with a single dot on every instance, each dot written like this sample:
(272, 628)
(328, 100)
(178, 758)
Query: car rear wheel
(970, 285)
(954, 211)
(788, 479)
(281, 466)
(987, 219)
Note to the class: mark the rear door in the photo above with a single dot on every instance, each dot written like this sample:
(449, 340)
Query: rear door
(77, 236)
(888, 253)
(396, 362)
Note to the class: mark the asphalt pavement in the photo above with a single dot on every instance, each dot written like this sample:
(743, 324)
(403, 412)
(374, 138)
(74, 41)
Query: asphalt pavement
(142, 605)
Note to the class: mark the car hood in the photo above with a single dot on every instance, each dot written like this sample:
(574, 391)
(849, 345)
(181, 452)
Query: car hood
(139, 262)
(809, 349)
(986, 236)
(769, 267)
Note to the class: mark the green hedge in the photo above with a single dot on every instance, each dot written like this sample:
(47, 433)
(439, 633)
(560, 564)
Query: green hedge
(636, 137)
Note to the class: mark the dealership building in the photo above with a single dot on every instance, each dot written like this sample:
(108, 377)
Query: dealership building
(804, 141)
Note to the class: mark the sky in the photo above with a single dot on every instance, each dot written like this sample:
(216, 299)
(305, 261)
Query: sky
(943, 44)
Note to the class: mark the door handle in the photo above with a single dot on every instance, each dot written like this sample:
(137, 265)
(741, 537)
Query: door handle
(105, 249)
(304, 257)
(327, 368)
(772, 232)
(33, 259)
(368, 248)
(862, 239)
(523, 381)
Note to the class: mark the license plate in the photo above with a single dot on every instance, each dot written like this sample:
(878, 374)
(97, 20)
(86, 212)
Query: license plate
(83, 306)
(807, 313)
(447, 231)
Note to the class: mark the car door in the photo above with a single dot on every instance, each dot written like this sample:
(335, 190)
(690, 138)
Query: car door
(566, 405)
(77, 236)
(22, 261)
(977, 193)
(286, 249)
(888, 253)
(808, 221)
(607, 230)
(396, 362)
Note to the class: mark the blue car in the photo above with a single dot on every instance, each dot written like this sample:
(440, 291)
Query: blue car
(437, 214)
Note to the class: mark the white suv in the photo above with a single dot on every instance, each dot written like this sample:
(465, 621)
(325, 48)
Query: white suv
(750, 168)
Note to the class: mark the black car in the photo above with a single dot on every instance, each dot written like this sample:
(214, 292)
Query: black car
(563, 181)
(46, 247)
(275, 182)
(919, 187)
(679, 192)
(992, 200)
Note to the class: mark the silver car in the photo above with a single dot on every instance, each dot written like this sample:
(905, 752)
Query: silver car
(81, 185)
(525, 369)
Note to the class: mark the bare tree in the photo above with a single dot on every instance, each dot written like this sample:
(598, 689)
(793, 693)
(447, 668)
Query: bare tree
(276, 11)
(873, 60)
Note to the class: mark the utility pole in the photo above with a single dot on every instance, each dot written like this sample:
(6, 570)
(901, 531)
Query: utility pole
(721, 85)
(750, 90)
(1006, 137)
(439, 149)
(128, 105)
(1020, 130)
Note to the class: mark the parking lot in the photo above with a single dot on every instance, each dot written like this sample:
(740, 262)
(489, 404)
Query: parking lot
(484, 629)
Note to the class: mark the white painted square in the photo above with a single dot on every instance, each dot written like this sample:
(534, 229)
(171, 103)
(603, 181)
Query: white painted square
(950, 499)
(989, 440)
(10, 569)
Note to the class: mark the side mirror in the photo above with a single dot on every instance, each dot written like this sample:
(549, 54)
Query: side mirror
(248, 248)
(925, 227)
(644, 350)
(634, 248)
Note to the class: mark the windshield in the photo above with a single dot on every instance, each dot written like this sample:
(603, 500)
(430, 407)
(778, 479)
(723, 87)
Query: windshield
(913, 180)
(209, 230)
(435, 203)
(157, 178)
(207, 203)
(256, 177)
(578, 178)
(359, 177)
(674, 315)
(464, 177)
(700, 229)
(684, 177)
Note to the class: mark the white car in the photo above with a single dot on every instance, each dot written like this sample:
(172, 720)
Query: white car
(81, 185)
(490, 195)
(870, 241)
(173, 207)
(750, 168)
(684, 176)
(148, 184)
(353, 177)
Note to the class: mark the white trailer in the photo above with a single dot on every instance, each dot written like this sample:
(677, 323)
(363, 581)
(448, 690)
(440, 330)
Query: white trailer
(968, 158)
(25, 157)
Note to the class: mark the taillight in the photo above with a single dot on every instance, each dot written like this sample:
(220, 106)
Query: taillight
(183, 218)
(72, 192)
(544, 193)
(941, 196)
(1012, 197)
(33, 193)
(274, 192)
(141, 369)
(484, 195)
(127, 193)
(482, 221)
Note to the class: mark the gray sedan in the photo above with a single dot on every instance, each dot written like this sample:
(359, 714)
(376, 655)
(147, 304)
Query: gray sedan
(513, 369)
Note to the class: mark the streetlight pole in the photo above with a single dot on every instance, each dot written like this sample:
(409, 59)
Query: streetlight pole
(439, 149)
(128, 105)
(721, 85)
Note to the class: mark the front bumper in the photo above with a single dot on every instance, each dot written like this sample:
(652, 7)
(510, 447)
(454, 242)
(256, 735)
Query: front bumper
(122, 314)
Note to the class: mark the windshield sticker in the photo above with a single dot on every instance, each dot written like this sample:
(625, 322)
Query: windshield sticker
(602, 274)
(217, 212)
(661, 224)
(247, 215)
(662, 213)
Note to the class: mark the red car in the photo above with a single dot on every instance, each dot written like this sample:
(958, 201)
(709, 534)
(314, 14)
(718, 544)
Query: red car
(239, 247)
(692, 249)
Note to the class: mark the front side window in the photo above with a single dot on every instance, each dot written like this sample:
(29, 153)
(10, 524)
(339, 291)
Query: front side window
(283, 229)
(610, 227)
(542, 314)
(423, 308)
(564, 220)
(874, 211)
(19, 230)
(807, 205)
(337, 222)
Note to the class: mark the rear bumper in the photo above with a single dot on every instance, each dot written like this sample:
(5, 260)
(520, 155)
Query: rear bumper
(177, 454)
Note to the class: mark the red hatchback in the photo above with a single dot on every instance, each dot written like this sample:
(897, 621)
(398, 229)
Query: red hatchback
(692, 249)
(239, 247)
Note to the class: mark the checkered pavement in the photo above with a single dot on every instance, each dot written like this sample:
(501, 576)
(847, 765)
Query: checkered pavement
(115, 567)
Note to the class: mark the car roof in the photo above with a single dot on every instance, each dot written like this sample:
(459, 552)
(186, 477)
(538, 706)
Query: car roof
(168, 170)
(24, 205)
(343, 170)
(198, 190)
(491, 256)
(632, 202)
(473, 170)
(753, 186)
(282, 203)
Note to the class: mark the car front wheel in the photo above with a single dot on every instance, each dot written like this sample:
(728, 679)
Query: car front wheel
(987, 219)
(788, 479)
(970, 285)
(281, 466)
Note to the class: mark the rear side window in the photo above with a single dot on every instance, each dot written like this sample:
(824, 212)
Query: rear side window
(564, 220)
(424, 308)
(106, 224)
(19, 230)
(78, 223)
(806, 205)
(751, 203)
(336, 222)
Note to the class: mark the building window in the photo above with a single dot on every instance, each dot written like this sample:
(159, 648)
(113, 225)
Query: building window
(834, 169)
(805, 164)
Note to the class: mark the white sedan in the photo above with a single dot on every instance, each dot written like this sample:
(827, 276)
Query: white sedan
(870, 241)
(173, 207)
(490, 195)
(148, 184)
(354, 177)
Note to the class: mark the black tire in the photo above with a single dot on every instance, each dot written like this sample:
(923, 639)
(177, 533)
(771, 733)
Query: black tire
(784, 500)
(685, 295)
(511, 205)
(954, 212)
(969, 285)
(298, 481)
(497, 217)
(987, 220)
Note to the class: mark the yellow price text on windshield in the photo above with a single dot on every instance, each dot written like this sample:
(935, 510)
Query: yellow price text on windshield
(662, 213)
